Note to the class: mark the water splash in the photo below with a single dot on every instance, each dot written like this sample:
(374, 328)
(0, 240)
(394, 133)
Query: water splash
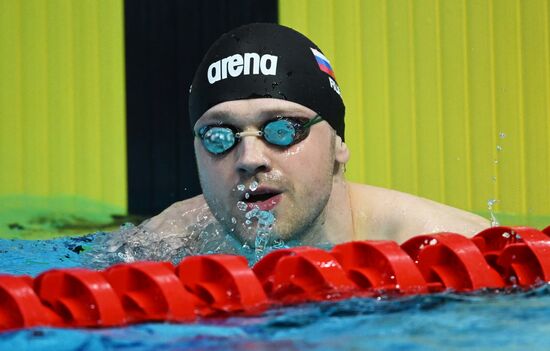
(490, 204)
(262, 240)
(263, 233)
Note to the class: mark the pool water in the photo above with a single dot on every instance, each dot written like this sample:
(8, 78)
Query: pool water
(485, 320)
(437, 322)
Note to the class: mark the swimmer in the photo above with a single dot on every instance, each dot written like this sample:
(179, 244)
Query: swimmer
(268, 122)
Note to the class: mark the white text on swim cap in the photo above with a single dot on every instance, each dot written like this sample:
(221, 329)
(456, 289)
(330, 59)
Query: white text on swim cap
(334, 86)
(236, 65)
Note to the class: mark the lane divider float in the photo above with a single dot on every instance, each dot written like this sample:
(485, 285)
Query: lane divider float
(222, 285)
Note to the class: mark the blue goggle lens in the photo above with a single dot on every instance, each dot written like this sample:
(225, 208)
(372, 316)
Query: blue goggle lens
(280, 132)
(218, 139)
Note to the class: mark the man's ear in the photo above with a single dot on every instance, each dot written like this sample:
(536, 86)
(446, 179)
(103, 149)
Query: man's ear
(341, 150)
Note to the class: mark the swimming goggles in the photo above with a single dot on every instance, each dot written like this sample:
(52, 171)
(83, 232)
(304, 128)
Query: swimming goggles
(281, 131)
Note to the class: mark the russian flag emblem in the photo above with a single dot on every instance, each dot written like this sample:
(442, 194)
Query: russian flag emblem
(323, 62)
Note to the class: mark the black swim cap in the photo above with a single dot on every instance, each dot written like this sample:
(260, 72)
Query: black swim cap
(266, 60)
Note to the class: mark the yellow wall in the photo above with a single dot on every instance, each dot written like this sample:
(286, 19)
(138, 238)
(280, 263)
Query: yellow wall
(62, 108)
(429, 86)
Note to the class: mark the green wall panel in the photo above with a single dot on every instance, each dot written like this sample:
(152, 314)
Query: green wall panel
(446, 99)
(62, 102)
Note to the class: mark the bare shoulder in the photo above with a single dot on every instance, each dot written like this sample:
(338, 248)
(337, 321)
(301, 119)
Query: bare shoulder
(389, 214)
(177, 231)
(179, 216)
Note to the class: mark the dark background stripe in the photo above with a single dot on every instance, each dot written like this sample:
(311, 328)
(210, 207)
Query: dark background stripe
(165, 41)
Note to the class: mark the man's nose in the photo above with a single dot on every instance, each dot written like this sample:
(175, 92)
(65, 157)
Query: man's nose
(252, 156)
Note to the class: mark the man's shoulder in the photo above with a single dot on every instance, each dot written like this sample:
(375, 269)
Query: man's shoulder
(391, 214)
(180, 215)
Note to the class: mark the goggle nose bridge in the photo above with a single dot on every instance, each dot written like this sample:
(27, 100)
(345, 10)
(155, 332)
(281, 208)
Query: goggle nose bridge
(257, 133)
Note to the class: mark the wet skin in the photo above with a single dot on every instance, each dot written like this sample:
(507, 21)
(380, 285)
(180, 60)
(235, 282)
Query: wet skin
(294, 182)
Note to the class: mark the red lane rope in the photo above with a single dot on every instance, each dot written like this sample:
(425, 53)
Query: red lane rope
(221, 285)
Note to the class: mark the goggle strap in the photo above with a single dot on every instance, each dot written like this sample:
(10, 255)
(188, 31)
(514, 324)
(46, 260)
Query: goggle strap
(313, 121)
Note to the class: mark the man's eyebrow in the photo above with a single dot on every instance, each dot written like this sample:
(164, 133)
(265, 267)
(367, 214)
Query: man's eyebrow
(286, 112)
(219, 117)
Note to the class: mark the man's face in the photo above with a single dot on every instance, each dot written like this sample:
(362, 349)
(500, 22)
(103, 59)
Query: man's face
(294, 183)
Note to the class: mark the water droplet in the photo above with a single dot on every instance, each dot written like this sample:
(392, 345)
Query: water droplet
(494, 178)
(501, 135)
(233, 220)
(490, 204)
(506, 235)
(240, 187)
(253, 186)
(433, 241)
(499, 148)
(241, 205)
(495, 162)
(247, 195)
(248, 222)
(278, 244)
(265, 218)
(252, 213)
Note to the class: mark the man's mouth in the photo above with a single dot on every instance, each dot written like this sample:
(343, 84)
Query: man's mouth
(262, 198)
